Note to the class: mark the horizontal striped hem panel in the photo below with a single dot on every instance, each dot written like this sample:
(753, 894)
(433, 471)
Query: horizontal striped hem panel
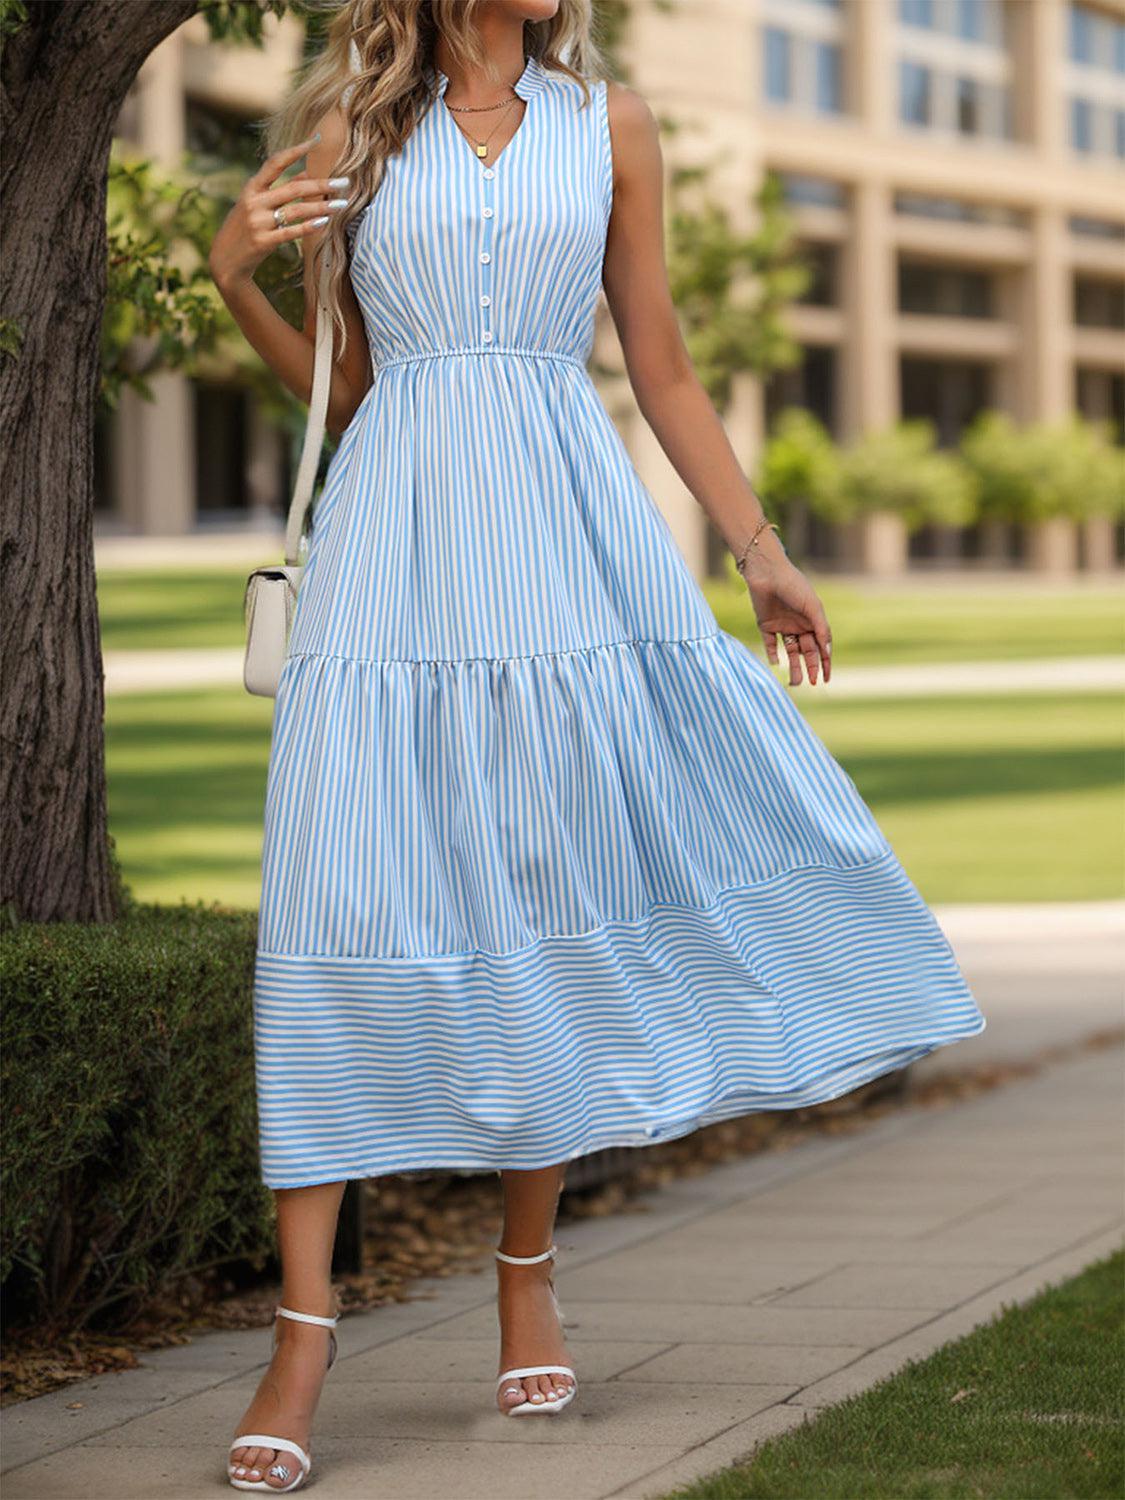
(776, 995)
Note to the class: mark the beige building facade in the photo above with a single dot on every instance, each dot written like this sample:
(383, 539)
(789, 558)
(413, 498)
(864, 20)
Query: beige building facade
(956, 170)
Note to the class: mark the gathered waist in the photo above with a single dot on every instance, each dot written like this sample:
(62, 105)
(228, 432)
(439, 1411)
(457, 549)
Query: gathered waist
(490, 350)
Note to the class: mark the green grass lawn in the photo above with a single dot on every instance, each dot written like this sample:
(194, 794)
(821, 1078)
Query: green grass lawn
(1001, 799)
(1012, 798)
(146, 611)
(186, 775)
(892, 625)
(876, 625)
(1026, 1407)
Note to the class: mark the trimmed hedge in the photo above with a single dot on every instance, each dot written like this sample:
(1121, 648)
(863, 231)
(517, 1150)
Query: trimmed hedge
(130, 1153)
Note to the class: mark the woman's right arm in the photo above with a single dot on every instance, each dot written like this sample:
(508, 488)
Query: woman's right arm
(249, 233)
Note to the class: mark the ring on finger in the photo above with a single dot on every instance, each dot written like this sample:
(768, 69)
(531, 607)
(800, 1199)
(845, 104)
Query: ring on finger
(279, 216)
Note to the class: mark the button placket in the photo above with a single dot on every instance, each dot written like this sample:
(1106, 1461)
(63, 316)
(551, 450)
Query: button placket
(488, 218)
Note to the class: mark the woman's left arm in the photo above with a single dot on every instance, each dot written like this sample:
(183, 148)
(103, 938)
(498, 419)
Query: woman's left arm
(672, 398)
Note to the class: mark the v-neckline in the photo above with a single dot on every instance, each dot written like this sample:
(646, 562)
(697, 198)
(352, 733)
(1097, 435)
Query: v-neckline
(526, 77)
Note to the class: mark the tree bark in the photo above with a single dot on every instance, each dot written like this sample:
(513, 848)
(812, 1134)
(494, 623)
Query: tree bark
(63, 78)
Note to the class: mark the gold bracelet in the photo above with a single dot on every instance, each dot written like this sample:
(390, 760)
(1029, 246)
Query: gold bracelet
(740, 562)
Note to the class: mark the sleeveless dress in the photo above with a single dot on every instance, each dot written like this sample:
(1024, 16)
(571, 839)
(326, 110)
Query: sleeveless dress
(551, 862)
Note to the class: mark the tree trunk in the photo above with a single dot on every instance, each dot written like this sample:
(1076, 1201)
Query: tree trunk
(64, 75)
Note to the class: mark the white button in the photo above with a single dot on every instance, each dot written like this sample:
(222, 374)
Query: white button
(487, 212)
(486, 300)
(487, 335)
(489, 173)
(650, 1130)
(485, 257)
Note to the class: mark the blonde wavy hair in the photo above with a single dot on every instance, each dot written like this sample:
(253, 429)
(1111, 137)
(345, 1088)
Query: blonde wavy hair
(373, 67)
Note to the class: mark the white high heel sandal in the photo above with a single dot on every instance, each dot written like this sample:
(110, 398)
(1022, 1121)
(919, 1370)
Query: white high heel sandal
(281, 1446)
(525, 1408)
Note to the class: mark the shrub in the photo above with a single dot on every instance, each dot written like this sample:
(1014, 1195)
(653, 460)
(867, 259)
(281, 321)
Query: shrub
(799, 462)
(900, 470)
(1069, 468)
(130, 1147)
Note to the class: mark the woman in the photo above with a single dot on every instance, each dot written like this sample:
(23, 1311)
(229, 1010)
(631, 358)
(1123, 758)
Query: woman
(551, 862)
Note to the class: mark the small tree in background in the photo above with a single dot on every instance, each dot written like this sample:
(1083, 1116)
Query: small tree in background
(798, 474)
(731, 289)
(1070, 469)
(900, 470)
(163, 310)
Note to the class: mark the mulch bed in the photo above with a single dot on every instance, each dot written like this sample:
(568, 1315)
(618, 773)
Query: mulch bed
(421, 1226)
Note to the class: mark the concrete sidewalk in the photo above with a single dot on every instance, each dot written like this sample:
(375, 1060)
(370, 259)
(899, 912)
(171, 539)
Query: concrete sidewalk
(183, 669)
(1045, 973)
(735, 1306)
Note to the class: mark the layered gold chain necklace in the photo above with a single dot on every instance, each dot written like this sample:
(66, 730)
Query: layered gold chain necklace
(481, 147)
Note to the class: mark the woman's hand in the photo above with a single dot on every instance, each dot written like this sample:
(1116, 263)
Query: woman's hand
(786, 604)
(250, 231)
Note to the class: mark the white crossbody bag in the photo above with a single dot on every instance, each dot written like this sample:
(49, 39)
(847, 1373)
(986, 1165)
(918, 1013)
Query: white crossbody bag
(271, 591)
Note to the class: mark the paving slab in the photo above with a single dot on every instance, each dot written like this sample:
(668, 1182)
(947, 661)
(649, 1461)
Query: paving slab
(727, 1308)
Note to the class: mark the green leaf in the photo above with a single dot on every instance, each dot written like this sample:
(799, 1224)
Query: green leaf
(11, 337)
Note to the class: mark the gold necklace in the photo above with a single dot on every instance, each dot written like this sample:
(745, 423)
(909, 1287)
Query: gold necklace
(481, 147)
(477, 109)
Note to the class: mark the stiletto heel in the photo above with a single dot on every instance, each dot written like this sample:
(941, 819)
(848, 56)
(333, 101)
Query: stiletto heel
(279, 1468)
(525, 1408)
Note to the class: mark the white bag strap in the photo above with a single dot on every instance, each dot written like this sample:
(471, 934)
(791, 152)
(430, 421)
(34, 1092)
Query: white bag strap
(318, 410)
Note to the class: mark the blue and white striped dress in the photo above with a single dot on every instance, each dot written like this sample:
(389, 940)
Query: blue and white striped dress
(551, 862)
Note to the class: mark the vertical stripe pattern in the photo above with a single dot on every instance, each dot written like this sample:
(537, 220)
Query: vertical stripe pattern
(550, 862)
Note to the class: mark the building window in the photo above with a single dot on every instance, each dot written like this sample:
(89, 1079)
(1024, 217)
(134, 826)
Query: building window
(105, 436)
(829, 90)
(1081, 26)
(916, 12)
(959, 81)
(1100, 397)
(968, 106)
(1007, 115)
(1081, 134)
(219, 137)
(950, 392)
(957, 210)
(1094, 82)
(1098, 303)
(802, 56)
(980, 21)
(1100, 229)
(778, 65)
(1096, 40)
(822, 259)
(943, 291)
(970, 20)
(914, 93)
(810, 384)
(819, 191)
(221, 427)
